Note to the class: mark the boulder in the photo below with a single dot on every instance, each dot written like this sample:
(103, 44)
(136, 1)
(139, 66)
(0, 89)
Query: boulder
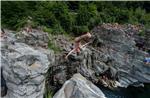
(24, 67)
(79, 87)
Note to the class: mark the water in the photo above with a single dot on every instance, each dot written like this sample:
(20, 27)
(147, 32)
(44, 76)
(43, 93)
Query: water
(119, 93)
(130, 92)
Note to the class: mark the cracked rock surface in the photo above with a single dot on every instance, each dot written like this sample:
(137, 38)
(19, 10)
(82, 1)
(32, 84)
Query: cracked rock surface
(112, 59)
(24, 67)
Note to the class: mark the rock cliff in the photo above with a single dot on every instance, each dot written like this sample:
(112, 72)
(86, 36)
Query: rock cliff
(24, 67)
(112, 59)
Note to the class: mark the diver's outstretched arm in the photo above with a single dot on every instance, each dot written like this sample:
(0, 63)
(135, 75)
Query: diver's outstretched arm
(70, 53)
(75, 49)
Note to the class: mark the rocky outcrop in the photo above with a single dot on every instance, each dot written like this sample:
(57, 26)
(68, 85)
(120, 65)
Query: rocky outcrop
(24, 67)
(147, 38)
(112, 59)
(36, 38)
(79, 87)
(121, 54)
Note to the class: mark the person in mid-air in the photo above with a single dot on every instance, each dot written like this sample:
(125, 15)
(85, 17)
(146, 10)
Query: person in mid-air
(77, 44)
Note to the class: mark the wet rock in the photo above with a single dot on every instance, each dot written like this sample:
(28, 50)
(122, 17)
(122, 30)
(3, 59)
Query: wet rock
(79, 87)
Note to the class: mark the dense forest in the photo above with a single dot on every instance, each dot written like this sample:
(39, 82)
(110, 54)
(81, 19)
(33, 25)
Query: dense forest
(73, 16)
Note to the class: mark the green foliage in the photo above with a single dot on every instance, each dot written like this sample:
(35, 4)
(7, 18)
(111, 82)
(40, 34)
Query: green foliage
(141, 33)
(49, 94)
(75, 17)
(57, 29)
(46, 29)
(85, 13)
(55, 48)
(78, 30)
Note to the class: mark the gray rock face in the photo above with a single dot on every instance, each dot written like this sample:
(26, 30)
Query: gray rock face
(112, 59)
(24, 68)
(147, 35)
(34, 38)
(79, 87)
(122, 55)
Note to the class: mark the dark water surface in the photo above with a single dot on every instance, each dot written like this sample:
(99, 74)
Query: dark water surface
(130, 92)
